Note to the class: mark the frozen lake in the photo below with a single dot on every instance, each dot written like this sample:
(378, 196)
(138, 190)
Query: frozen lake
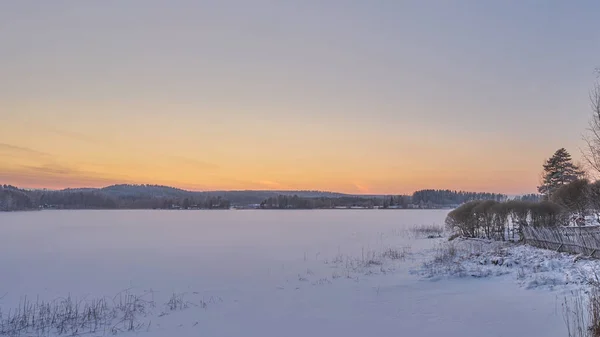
(262, 273)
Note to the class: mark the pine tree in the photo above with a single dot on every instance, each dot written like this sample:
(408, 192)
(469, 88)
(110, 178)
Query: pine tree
(559, 170)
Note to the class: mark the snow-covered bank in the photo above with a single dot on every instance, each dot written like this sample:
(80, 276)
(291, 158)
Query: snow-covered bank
(530, 267)
(263, 274)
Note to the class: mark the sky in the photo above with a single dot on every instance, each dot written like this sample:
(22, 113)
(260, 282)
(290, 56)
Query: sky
(352, 96)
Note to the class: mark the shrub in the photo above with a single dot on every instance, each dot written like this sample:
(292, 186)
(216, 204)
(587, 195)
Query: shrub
(485, 214)
(464, 220)
(519, 213)
(491, 219)
(573, 197)
(501, 212)
(453, 237)
(546, 214)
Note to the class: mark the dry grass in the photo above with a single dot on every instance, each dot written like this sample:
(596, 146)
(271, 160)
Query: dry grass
(445, 253)
(70, 316)
(447, 260)
(396, 254)
(594, 313)
(177, 302)
(125, 312)
(428, 231)
(581, 313)
(369, 262)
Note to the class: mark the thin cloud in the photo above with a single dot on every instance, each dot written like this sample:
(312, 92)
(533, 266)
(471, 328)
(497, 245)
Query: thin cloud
(196, 163)
(56, 176)
(271, 184)
(77, 136)
(19, 150)
(30, 180)
(50, 169)
(361, 188)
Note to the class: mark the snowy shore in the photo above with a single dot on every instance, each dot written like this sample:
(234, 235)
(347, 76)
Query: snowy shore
(530, 267)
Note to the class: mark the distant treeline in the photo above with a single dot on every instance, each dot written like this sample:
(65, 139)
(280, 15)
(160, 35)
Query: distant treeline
(165, 197)
(112, 197)
(437, 198)
(296, 202)
(424, 199)
(530, 198)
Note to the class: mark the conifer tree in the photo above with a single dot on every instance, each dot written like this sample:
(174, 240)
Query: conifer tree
(559, 170)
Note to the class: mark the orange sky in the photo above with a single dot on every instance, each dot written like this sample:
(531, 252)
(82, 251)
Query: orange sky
(356, 98)
(253, 155)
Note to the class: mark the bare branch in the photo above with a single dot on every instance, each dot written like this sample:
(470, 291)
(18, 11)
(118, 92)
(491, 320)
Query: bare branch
(591, 153)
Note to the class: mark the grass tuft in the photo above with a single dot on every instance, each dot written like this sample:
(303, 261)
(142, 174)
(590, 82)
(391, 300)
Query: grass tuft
(428, 231)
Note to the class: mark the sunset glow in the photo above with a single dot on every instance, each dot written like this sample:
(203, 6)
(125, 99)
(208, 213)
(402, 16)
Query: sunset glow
(302, 97)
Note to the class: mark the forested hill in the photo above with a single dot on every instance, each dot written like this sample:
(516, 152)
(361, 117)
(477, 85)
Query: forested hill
(127, 196)
(165, 197)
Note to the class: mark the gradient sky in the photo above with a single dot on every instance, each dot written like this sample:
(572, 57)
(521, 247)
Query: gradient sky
(352, 96)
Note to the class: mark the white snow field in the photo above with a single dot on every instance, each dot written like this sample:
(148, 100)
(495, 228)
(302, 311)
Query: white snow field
(265, 273)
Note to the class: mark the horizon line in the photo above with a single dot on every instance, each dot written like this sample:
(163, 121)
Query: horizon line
(261, 190)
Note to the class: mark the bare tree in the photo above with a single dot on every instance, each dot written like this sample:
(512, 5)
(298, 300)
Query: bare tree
(591, 152)
(594, 198)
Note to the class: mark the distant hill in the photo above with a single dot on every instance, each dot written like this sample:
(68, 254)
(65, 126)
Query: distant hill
(242, 197)
(128, 196)
(158, 191)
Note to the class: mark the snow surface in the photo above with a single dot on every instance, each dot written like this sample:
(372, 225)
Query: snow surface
(287, 273)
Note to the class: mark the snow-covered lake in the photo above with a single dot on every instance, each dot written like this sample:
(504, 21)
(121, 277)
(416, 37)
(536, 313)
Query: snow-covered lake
(263, 273)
